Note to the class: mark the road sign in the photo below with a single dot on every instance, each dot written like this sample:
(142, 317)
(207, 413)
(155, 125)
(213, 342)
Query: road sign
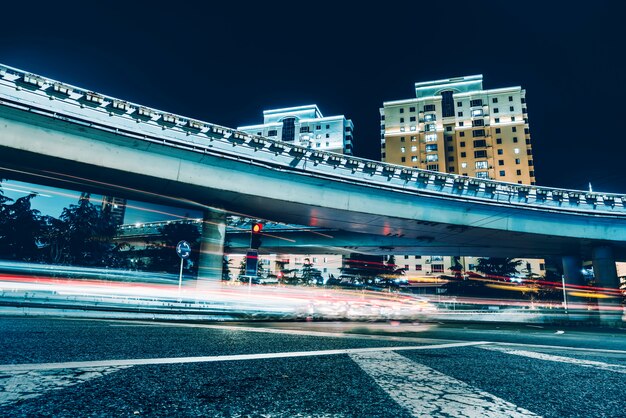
(183, 249)
(252, 259)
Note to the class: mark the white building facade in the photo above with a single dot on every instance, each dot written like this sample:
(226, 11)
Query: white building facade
(307, 127)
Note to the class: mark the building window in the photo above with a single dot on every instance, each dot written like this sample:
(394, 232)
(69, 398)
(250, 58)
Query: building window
(431, 158)
(403, 159)
(304, 129)
(519, 172)
(517, 161)
(502, 173)
(432, 167)
(480, 143)
(461, 123)
(500, 151)
(450, 149)
(402, 139)
(482, 165)
(498, 140)
(459, 104)
(401, 110)
(327, 135)
(494, 100)
(478, 122)
(448, 138)
(476, 102)
(514, 139)
(447, 104)
(401, 120)
(318, 127)
(463, 165)
(514, 129)
(430, 117)
(418, 267)
(461, 133)
(463, 155)
(496, 120)
(462, 144)
(482, 174)
(450, 159)
(430, 137)
(478, 132)
(429, 108)
(411, 109)
(430, 127)
(477, 113)
(511, 108)
(429, 148)
(480, 154)
(413, 138)
(515, 150)
(272, 132)
(498, 130)
(414, 147)
(459, 114)
(402, 150)
(413, 159)
(327, 126)
(289, 129)
(496, 110)
(510, 98)
(451, 169)
(412, 119)
(531, 173)
(500, 162)
(529, 152)
(448, 128)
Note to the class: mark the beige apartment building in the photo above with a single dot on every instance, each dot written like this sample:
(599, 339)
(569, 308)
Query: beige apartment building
(456, 126)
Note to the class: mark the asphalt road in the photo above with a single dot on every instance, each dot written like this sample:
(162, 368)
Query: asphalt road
(63, 367)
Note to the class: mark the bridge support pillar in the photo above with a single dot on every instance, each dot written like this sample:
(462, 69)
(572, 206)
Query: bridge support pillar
(577, 307)
(211, 249)
(605, 272)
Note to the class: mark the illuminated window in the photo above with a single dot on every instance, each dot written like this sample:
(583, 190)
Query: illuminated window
(477, 112)
(430, 137)
(482, 174)
(429, 148)
(430, 127)
(413, 159)
(463, 165)
(516, 150)
(482, 165)
(413, 138)
(430, 117)
(402, 150)
(414, 147)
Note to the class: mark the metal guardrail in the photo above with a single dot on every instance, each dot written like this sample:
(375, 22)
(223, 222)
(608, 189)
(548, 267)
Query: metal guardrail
(35, 94)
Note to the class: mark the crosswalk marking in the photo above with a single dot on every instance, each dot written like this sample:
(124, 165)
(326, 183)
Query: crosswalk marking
(560, 359)
(27, 384)
(425, 392)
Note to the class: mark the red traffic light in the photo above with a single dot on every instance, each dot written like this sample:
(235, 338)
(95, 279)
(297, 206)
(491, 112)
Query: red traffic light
(256, 228)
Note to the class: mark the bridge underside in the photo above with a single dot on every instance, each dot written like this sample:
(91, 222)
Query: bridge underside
(352, 232)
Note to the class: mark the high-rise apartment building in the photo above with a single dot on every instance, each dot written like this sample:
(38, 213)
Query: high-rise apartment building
(307, 127)
(456, 126)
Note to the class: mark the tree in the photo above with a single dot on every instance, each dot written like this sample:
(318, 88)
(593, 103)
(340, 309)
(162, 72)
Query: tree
(498, 266)
(86, 234)
(21, 229)
(163, 255)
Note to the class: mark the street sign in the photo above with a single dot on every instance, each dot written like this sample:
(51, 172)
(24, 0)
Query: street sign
(183, 249)
(252, 260)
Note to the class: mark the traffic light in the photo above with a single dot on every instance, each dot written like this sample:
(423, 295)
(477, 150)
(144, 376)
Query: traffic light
(255, 235)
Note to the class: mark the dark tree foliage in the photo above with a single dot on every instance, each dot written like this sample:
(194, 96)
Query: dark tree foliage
(21, 229)
(86, 234)
(163, 256)
(498, 266)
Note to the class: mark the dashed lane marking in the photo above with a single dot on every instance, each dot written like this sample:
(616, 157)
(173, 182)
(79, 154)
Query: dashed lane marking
(425, 392)
(207, 359)
(559, 359)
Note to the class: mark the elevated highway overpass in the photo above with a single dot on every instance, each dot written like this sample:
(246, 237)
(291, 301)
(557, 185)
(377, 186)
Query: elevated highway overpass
(64, 135)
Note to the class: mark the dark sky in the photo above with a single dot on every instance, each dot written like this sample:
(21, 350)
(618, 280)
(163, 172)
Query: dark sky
(225, 63)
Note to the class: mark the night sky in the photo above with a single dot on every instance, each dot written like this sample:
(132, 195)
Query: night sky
(225, 63)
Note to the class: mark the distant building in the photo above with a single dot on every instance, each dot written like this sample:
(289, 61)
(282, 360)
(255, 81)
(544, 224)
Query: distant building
(117, 206)
(307, 127)
(456, 126)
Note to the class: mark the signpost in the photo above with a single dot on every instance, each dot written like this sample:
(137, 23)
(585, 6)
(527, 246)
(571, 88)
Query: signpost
(183, 249)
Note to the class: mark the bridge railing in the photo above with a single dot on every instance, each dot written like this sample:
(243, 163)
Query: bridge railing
(73, 104)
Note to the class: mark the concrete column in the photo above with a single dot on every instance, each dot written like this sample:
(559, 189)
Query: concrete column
(211, 249)
(605, 272)
(572, 272)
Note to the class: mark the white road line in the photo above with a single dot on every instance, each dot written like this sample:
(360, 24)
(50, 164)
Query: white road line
(425, 392)
(208, 359)
(26, 384)
(560, 359)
